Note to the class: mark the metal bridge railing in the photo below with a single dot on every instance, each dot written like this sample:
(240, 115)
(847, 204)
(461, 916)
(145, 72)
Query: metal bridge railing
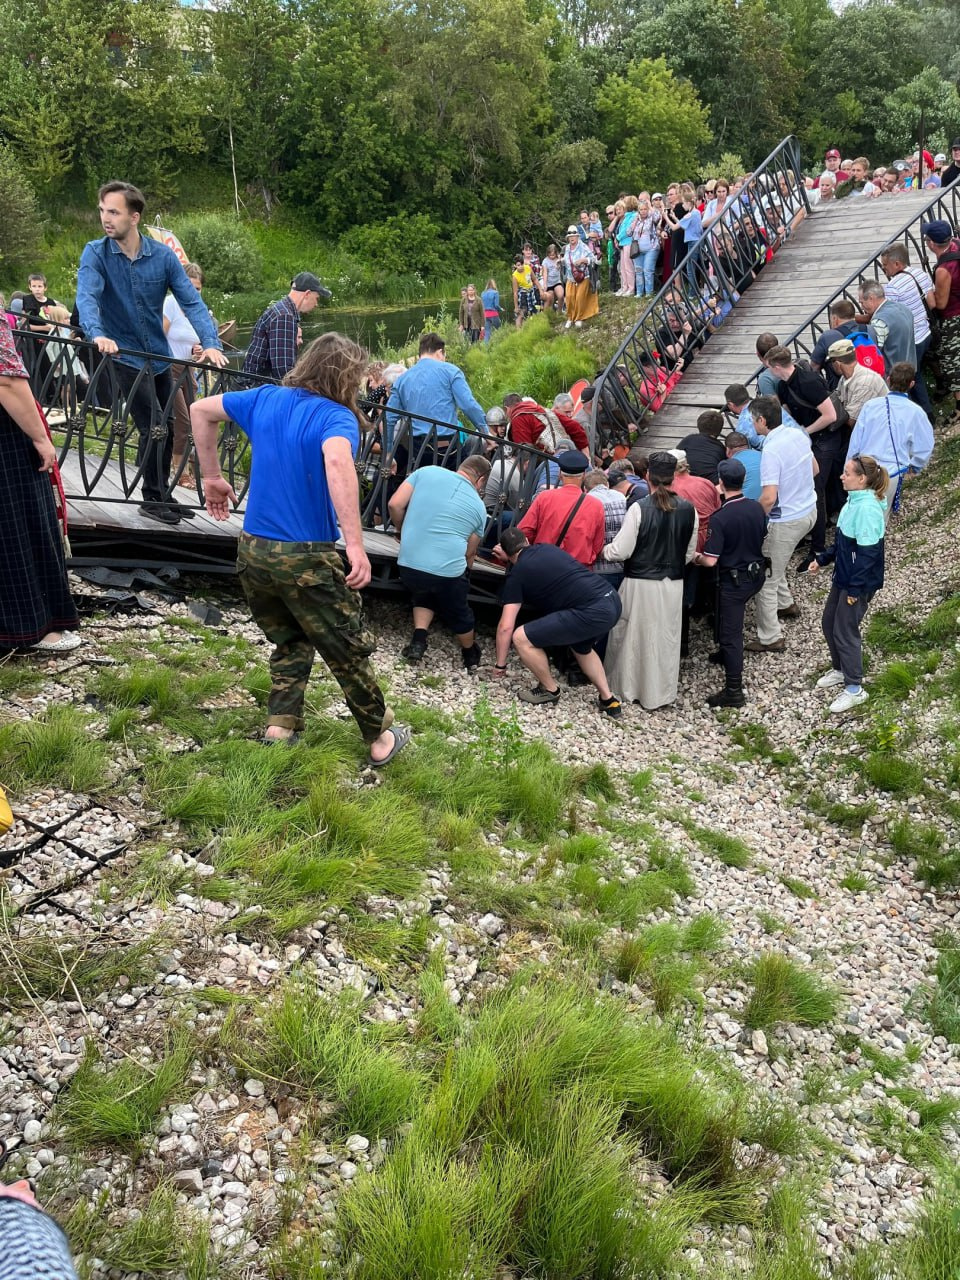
(942, 204)
(118, 423)
(675, 325)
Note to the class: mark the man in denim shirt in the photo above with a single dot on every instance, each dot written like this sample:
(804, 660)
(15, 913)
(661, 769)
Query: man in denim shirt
(122, 282)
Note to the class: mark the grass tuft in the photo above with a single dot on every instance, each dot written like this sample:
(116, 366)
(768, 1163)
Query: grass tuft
(330, 1051)
(120, 1105)
(54, 749)
(730, 850)
(783, 991)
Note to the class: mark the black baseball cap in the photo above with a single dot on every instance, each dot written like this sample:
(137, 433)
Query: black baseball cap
(307, 282)
(732, 472)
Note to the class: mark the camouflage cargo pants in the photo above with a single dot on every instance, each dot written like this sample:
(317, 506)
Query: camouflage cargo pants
(950, 353)
(298, 597)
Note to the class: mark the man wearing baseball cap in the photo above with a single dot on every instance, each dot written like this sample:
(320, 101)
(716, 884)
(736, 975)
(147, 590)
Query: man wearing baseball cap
(856, 383)
(945, 247)
(735, 546)
(833, 169)
(276, 338)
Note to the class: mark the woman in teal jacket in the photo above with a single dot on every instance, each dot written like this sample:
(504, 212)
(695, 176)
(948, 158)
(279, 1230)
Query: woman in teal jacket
(857, 556)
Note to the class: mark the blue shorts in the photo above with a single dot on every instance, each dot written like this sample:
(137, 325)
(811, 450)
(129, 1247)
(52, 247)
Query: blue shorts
(579, 629)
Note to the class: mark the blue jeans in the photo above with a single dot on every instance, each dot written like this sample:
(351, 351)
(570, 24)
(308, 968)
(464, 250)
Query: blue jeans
(646, 265)
(489, 324)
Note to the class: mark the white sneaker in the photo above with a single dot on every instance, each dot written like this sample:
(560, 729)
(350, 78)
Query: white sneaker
(847, 701)
(830, 680)
(568, 325)
(578, 324)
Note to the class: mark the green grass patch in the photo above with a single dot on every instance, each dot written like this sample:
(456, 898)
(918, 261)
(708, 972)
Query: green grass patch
(925, 844)
(941, 1003)
(892, 773)
(755, 744)
(663, 959)
(784, 991)
(120, 1105)
(849, 815)
(19, 676)
(331, 1052)
(799, 888)
(856, 882)
(57, 748)
(41, 966)
(770, 923)
(730, 850)
(627, 902)
(381, 945)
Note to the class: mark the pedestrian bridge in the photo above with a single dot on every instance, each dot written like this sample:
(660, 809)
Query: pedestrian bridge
(829, 251)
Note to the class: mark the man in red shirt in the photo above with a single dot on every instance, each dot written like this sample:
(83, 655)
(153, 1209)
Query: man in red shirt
(531, 424)
(567, 516)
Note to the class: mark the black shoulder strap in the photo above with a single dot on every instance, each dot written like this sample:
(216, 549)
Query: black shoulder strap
(569, 520)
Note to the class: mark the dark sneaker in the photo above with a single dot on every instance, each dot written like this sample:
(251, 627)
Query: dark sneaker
(791, 611)
(805, 564)
(610, 706)
(414, 651)
(471, 657)
(539, 696)
(185, 511)
(576, 678)
(160, 512)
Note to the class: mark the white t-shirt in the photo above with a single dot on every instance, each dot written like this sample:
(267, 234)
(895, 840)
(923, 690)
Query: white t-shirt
(786, 461)
(181, 335)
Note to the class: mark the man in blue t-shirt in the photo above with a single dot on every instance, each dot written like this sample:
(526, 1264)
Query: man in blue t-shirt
(303, 485)
(442, 519)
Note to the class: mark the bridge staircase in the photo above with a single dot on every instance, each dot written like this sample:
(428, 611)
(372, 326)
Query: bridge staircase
(829, 251)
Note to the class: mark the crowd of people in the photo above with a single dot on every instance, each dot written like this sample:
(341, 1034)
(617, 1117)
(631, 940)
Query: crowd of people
(613, 550)
(641, 239)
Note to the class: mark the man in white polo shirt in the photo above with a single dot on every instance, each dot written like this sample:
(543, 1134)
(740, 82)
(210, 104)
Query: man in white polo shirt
(787, 494)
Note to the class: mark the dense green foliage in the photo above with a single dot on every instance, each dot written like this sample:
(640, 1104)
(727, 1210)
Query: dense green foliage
(426, 135)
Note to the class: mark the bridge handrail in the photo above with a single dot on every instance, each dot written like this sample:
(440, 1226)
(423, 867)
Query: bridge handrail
(92, 406)
(640, 376)
(946, 203)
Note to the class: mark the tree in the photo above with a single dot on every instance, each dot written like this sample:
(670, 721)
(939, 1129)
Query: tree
(927, 94)
(19, 214)
(733, 55)
(652, 123)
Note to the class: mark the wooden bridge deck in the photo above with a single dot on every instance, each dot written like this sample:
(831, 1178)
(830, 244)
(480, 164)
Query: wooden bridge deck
(818, 258)
(101, 528)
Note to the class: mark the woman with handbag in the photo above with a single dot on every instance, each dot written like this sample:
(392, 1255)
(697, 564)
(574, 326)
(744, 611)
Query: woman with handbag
(580, 273)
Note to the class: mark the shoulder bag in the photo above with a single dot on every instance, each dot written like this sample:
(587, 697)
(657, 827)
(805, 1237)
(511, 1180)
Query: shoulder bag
(569, 520)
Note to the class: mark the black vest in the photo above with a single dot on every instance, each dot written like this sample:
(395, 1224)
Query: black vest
(661, 550)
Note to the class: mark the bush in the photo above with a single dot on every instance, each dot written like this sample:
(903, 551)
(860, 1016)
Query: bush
(19, 215)
(225, 248)
(398, 245)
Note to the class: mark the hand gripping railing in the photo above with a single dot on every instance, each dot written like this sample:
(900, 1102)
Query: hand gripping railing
(943, 204)
(670, 330)
(127, 424)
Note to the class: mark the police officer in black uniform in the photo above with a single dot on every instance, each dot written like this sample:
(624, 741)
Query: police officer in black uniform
(735, 546)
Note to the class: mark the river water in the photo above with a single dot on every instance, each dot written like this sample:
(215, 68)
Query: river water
(373, 327)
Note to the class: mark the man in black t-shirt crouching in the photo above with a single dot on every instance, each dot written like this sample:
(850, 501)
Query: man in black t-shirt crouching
(735, 545)
(574, 606)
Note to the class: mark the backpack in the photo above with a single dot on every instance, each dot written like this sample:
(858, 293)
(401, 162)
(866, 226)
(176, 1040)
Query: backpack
(868, 353)
(551, 433)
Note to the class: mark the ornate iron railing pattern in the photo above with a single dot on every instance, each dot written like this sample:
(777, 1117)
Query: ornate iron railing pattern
(675, 325)
(90, 398)
(944, 204)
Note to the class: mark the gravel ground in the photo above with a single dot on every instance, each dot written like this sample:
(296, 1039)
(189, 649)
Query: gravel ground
(229, 1148)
